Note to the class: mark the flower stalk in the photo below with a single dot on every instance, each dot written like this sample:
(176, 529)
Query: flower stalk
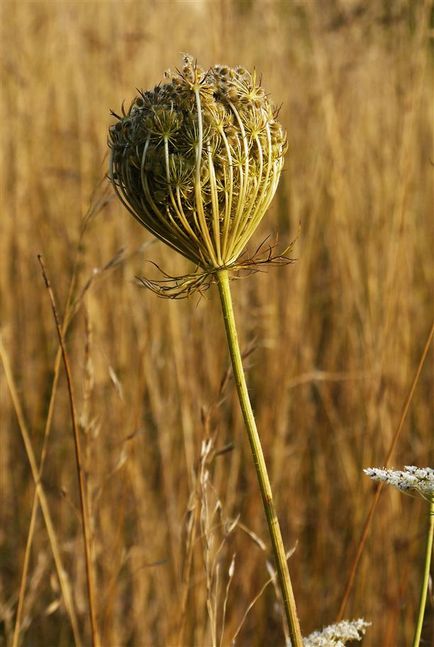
(415, 481)
(197, 161)
(259, 460)
(425, 579)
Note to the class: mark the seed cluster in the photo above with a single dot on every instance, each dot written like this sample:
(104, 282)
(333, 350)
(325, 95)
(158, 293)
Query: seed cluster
(412, 480)
(197, 160)
(337, 635)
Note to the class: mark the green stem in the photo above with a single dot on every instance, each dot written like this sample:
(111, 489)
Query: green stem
(425, 581)
(258, 457)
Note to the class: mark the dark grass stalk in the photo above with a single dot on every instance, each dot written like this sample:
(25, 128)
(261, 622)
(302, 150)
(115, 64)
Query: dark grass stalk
(84, 503)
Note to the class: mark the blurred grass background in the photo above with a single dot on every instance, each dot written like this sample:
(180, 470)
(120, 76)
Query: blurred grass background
(333, 341)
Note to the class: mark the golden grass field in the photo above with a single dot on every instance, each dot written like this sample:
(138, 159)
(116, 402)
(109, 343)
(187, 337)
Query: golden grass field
(332, 341)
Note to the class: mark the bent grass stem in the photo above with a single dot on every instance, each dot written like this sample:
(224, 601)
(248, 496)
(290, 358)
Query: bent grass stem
(82, 485)
(259, 461)
(55, 548)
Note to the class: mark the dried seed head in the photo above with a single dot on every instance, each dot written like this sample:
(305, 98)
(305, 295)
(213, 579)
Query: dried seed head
(197, 160)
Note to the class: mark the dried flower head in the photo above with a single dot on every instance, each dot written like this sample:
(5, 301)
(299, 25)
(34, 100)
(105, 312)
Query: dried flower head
(337, 635)
(197, 160)
(411, 480)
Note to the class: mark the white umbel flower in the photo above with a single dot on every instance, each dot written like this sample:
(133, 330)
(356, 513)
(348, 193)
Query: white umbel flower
(411, 480)
(337, 635)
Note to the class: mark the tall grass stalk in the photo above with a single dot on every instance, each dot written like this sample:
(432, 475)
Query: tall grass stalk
(55, 548)
(259, 460)
(82, 486)
(35, 505)
(48, 423)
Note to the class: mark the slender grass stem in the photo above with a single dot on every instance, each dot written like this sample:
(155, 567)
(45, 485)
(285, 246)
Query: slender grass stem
(47, 430)
(259, 460)
(425, 580)
(35, 508)
(82, 486)
(55, 548)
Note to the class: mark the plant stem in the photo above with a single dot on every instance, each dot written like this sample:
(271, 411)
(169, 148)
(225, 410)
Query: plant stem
(425, 581)
(259, 460)
(82, 485)
(55, 548)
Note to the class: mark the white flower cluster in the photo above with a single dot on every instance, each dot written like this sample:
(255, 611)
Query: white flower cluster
(337, 635)
(417, 480)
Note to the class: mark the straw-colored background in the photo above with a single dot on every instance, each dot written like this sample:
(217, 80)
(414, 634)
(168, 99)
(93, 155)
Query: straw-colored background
(335, 339)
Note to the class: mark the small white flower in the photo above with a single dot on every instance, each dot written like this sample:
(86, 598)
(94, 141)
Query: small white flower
(414, 480)
(337, 635)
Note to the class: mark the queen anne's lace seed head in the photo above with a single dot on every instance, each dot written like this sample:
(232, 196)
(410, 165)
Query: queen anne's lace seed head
(412, 480)
(337, 635)
(197, 160)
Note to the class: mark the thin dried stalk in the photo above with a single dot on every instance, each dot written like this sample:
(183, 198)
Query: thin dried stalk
(61, 573)
(84, 503)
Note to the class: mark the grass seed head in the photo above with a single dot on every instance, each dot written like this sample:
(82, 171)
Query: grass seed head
(197, 160)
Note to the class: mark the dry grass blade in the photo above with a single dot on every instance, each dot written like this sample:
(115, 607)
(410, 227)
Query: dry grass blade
(61, 573)
(231, 572)
(99, 199)
(84, 504)
(249, 608)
